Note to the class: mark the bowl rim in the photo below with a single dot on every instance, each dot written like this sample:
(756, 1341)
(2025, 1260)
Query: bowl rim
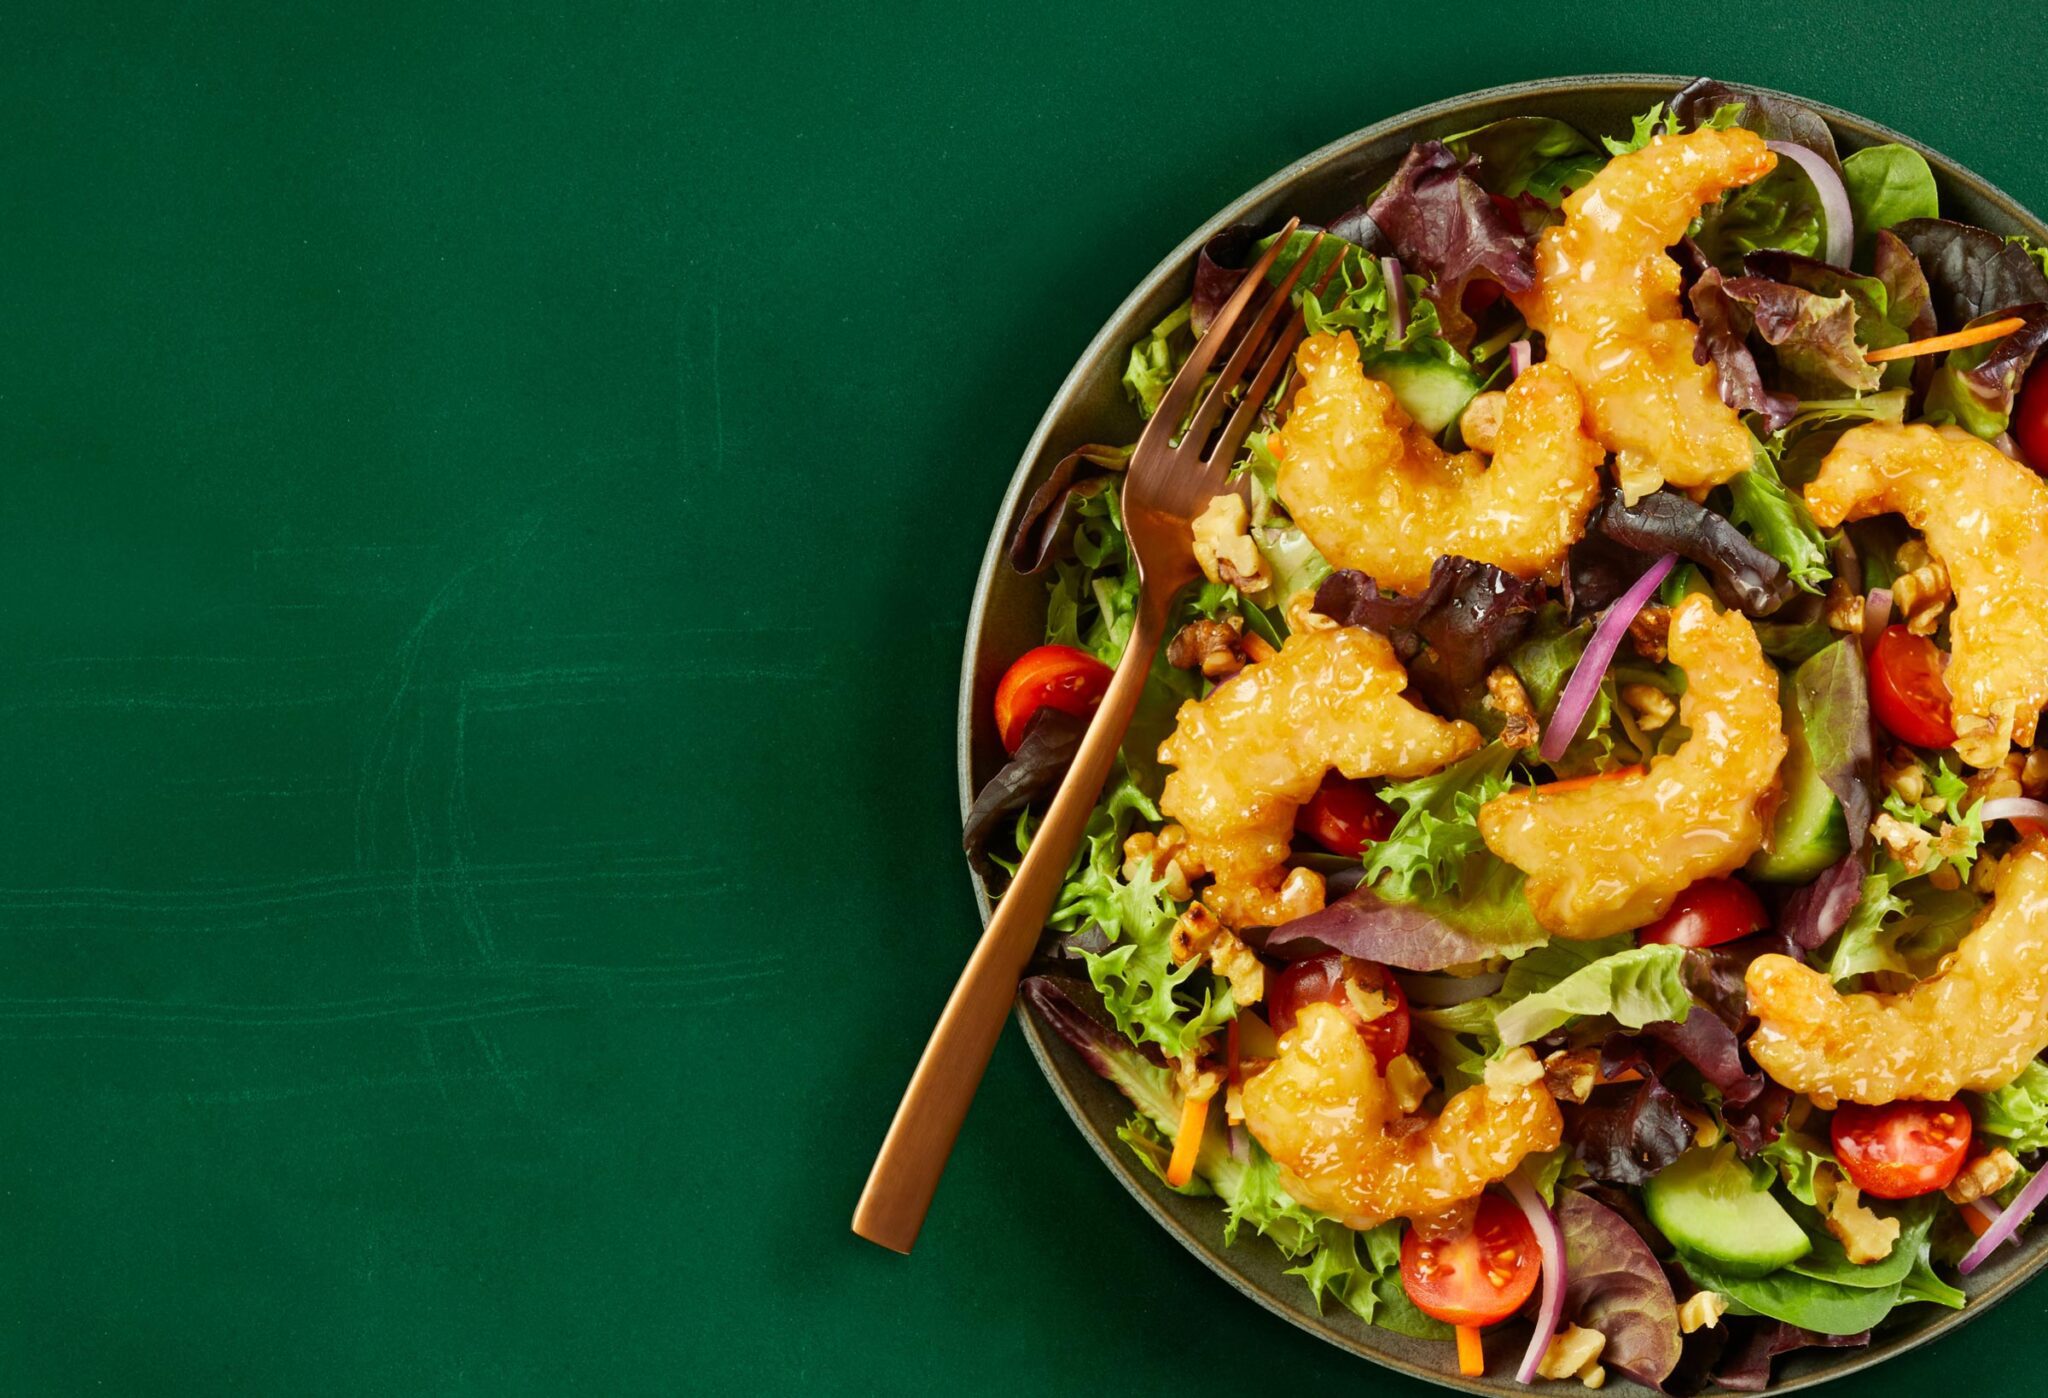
(1114, 332)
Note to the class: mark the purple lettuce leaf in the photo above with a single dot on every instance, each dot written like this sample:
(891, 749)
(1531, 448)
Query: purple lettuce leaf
(1722, 340)
(1449, 634)
(1219, 268)
(1614, 1285)
(1814, 334)
(1818, 910)
(1621, 540)
(1471, 924)
(1908, 301)
(1772, 117)
(1746, 1366)
(1443, 224)
(1970, 271)
(1995, 379)
(1831, 692)
(1042, 528)
(1626, 1132)
(1050, 742)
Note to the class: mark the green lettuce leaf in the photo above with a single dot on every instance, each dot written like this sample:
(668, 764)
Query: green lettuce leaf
(1796, 1157)
(1908, 935)
(1778, 522)
(1437, 836)
(1887, 184)
(1637, 986)
(1534, 155)
(1157, 358)
(2018, 1112)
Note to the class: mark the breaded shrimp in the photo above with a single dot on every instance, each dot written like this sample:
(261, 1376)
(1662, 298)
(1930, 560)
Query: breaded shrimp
(1323, 1112)
(1606, 300)
(1611, 856)
(1973, 1024)
(1375, 492)
(1986, 518)
(1249, 754)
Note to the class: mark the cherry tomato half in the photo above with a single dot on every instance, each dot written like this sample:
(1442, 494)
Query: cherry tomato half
(1050, 677)
(1708, 913)
(1344, 816)
(1907, 692)
(2030, 418)
(1478, 1275)
(1901, 1149)
(1328, 980)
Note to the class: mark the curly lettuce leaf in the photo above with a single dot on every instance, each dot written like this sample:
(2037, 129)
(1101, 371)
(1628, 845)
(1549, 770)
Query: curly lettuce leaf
(1905, 935)
(2018, 1112)
(1157, 358)
(1778, 522)
(1635, 985)
(1437, 835)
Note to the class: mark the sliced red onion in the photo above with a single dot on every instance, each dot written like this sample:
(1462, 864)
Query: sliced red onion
(1441, 992)
(1584, 684)
(1240, 1145)
(1549, 1241)
(1397, 297)
(2004, 442)
(1877, 615)
(1520, 355)
(2014, 808)
(1839, 224)
(2007, 1224)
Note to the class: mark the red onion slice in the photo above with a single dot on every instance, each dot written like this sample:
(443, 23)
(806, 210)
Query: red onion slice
(1584, 684)
(1240, 1145)
(1520, 355)
(2014, 808)
(2007, 1224)
(1550, 1242)
(1839, 224)
(1397, 297)
(1877, 614)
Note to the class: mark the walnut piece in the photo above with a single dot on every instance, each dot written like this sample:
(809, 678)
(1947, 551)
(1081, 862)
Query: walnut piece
(1983, 1176)
(1165, 857)
(1479, 425)
(1701, 1311)
(1224, 547)
(1570, 1075)
(1650, 632)
(1407, 1082)
(1908, 844)
(1505, 696)
(1982, 742)
(1213, 647)
(1574, 1353)
(1199, 934)
(2034, 774)
(1516, 1070)
(1922, 595)
(1652, 707)
(1864, 1236)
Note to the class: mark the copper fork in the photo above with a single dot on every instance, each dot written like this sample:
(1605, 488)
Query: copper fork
(1172, 476)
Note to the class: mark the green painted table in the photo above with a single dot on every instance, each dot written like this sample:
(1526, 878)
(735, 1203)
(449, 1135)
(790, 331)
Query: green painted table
(490, 502)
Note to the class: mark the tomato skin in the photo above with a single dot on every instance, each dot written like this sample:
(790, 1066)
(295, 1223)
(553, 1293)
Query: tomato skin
(1344, 816)
(2030, 419)
(1448, 1278)
(1708, 913)
(1907, 692)
(1902, 1149)
(1320, 980)
(1049, 677)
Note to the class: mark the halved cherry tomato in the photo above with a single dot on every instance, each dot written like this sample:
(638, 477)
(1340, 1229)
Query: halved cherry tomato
(2030, 418)
(1344, 816)
(1901, 1149)
(1050, 677)
(1906, 689)
(1328, 980)
(1478, 1275)
(1708, 913)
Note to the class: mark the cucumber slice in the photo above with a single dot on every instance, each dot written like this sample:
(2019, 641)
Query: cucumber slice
(1430, 390)
(1709, 1203)
(1810, 831)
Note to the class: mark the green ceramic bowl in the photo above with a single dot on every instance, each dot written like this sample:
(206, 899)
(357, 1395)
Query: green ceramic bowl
(1009, 617)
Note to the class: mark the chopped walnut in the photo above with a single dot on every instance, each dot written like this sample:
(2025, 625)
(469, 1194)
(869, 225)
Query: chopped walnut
(1904, 776)
(1846, 608)
(1911, 555)
(1570, 1075)
(1516, 1070)
(1574, 1353)
(1213, 647)
(1301, 893)
(1479, 425)
(1701, 1311)
(1983, 1176)
(1199, 934)
(1505, 696)
(1921, 596)
(1166, 857)
(1370, 1004)
(1982, 742)
(2034, 774)
(1407, 1082)
(1652, 707)
(1224, 547)
(1864, 1236)
(2001, 780)
(1984, 874)
(1650, 632)
(1908, 844)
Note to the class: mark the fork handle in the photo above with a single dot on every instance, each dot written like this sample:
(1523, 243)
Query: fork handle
(906, 1170)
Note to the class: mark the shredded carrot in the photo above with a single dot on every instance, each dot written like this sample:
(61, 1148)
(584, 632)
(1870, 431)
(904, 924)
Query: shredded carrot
(1257, 646)
(1974, 1221)
(1576, 783)
(1187, 1141)
(1471, 1353)
(1937, 344)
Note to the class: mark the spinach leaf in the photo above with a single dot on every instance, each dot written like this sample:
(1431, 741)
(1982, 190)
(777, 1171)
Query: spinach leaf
(1807, 1302)
(1887, 185)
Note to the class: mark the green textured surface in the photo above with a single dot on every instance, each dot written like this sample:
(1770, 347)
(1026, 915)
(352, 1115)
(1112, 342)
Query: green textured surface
(490, 506)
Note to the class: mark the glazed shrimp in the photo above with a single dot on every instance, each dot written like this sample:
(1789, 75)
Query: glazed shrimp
(1324, 1113)
(1611, 856)
(1375, 492)
(1974, 1024)
(1606, 300)
(1259, 745)
(1985, 517)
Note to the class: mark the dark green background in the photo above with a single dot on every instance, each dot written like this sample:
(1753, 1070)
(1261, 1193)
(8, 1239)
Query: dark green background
(488, 505)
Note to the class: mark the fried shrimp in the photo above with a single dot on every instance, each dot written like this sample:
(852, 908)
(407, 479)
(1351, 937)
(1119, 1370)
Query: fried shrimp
(1611, 856)
(1606, 300)
(1259, 745)
(1975, 1024)
(1375, 492)
(1323, 1111)
(1986, 518)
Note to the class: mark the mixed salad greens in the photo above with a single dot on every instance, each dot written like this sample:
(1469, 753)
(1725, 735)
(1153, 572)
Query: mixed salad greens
(1698, 1218)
